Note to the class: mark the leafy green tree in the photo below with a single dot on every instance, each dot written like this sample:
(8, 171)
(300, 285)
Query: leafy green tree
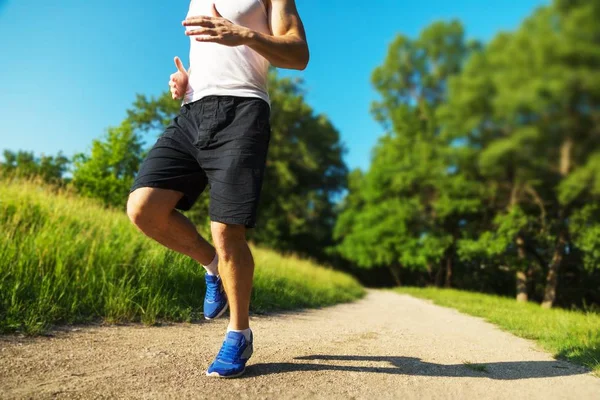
(108, 172)
(500, 160)
(406, 210)
(51, 169)
(529, 104)
(305, 172)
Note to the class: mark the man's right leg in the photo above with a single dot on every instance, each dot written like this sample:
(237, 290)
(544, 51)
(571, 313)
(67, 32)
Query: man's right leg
(153, 211)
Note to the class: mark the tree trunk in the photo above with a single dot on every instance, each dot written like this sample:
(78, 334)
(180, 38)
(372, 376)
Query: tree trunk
(521, 287)
(521, 277)
(439, 276)
(565, 156)
(430, 273)
(395, 274)
(566, 149)
(531, 271)
(449, 271)
(553, 270)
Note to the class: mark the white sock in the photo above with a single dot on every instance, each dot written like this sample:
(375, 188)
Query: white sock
(246, 332)
(213, 267)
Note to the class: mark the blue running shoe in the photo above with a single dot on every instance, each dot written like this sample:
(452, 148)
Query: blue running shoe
(232, 358)
(215, 301)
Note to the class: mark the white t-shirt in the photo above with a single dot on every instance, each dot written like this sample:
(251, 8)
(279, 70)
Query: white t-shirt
(216, 69)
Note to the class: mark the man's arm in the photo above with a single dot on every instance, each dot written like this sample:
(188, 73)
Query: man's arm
(286, 48)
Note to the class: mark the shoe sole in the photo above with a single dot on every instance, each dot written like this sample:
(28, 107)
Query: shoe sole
(219, 314)
(216, 375)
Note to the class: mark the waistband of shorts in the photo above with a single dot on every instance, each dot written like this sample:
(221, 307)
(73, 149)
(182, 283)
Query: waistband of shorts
(212, 99)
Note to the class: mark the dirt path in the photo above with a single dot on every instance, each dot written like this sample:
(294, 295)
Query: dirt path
(385, 346)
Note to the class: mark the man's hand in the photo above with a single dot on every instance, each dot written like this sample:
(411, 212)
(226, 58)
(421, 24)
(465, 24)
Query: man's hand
(286, 47)
(217, 29)
(179, 81)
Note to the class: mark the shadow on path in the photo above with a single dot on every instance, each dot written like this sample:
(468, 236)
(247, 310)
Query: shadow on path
(510, 370)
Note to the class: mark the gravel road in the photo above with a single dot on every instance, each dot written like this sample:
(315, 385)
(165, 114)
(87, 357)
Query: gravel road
(386, 346)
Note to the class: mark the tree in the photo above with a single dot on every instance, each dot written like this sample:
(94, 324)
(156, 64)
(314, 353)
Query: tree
(500, 162)
(405, 211)
(108, 172)
(305, 172)
(529, 104)
(50, 169)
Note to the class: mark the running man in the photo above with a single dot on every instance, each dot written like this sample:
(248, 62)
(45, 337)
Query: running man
(220, 138)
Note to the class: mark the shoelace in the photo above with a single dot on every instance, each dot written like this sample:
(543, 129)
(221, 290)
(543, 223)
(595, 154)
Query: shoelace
(228, 353)
(213, 290)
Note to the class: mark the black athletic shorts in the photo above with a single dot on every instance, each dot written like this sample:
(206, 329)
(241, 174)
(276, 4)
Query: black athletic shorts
(221, 141)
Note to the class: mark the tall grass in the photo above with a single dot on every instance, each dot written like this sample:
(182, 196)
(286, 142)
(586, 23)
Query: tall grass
(66, 259)
(572, 335)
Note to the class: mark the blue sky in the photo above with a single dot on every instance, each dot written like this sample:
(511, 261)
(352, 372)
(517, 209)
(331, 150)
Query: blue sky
(71, 68)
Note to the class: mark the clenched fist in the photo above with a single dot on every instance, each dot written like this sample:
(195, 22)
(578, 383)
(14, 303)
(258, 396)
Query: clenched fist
(179, 81)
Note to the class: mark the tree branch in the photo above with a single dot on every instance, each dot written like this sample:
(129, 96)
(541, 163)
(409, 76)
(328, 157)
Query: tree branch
(540, 203)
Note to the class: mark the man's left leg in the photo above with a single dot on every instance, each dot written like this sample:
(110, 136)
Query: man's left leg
(234, 162)
(236, 267)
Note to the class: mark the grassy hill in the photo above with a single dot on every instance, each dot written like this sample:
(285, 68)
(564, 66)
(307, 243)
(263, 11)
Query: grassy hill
(66, 259)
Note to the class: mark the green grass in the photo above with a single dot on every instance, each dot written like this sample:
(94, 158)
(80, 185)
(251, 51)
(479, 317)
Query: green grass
(570, 335)
(65, 259)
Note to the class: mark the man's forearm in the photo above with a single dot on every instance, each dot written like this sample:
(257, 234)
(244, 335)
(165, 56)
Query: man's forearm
(288, 51)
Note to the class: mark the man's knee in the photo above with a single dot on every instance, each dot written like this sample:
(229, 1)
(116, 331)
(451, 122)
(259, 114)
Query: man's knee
(146, 211)
(137, 208)
(227, 237)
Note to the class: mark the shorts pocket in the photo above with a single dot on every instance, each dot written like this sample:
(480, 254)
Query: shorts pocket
(213, 117)
(206, 124)
(203, 137)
